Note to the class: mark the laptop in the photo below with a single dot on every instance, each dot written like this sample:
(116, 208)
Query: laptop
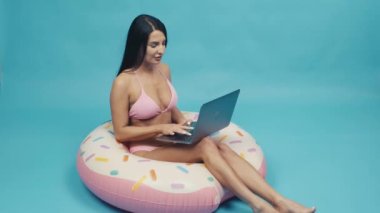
(213, 116)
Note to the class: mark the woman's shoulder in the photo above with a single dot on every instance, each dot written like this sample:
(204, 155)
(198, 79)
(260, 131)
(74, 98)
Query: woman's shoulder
(124, 79)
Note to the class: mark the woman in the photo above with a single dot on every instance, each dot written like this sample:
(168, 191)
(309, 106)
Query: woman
(143, 105)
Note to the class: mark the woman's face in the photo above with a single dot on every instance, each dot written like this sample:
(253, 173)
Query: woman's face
(155, 48)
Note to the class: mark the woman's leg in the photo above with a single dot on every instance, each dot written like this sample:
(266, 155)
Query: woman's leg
(252, 179)
(208, 152)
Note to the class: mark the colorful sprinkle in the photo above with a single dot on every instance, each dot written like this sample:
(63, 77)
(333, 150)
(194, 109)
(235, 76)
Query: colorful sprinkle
(98, 138)
(144, 160)
(114, 172)
(177, 186)
(211, 179)
(235, 141)
(239, 133)
(100, 159)
(105, 147)
(82, 153)
(252, 150)
(138, 183)
(183, 169)
(153, 174)
(89, 157)
(107, 125)
(111, 132)
(242, 155)
(222, 138)
(126, 157)
(85, 140)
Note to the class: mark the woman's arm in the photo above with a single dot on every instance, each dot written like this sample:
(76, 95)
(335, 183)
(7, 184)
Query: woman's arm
(178, 117)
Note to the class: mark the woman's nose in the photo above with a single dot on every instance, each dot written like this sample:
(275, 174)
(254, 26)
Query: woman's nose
(161, 49)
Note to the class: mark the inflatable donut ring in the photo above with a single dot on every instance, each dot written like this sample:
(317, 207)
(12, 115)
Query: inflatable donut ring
(138, 184)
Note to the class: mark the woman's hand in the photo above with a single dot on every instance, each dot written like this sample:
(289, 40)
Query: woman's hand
(171, 129)
(185, 122)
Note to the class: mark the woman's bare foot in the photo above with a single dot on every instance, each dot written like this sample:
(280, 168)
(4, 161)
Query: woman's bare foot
(289, 206)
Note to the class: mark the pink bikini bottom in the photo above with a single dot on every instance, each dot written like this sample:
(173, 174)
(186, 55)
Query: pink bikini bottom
(140, 147)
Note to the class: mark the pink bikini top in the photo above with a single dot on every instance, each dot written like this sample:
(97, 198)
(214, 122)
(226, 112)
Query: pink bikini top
(145, 107)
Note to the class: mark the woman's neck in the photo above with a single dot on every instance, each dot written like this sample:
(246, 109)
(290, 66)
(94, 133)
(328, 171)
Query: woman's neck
(149, 68)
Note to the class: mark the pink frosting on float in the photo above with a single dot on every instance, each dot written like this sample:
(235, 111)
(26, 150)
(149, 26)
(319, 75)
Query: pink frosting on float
(117, 192)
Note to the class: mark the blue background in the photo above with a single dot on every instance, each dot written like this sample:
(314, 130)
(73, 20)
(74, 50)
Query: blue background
(309, 74)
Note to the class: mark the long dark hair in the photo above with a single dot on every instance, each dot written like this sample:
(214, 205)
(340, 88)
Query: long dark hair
(137, 40)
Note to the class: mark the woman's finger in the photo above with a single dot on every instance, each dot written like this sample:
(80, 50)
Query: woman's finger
(187, 122)
(187, 127)
(184, 132)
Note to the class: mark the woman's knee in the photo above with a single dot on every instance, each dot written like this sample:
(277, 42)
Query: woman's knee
(207, 147)
(224, 149)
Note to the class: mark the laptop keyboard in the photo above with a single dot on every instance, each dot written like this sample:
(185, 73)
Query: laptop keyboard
(182, 137)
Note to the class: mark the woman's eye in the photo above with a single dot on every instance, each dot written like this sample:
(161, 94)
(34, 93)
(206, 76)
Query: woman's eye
(154, 45)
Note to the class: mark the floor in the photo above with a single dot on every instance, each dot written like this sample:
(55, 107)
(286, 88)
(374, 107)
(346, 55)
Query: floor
(323, 156)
